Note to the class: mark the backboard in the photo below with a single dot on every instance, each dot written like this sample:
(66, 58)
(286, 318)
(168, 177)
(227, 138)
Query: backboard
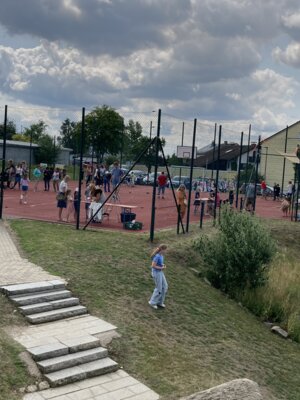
(186, 152)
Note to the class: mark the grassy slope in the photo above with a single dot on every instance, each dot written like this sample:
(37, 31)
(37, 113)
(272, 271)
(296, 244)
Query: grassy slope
(201, 340)
(13, 374)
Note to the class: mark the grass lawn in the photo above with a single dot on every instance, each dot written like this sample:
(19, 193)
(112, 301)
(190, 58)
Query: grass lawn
(202, 339)
(13, 374)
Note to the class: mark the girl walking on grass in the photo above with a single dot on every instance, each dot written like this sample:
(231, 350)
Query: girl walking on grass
(161, 285)
(24, 187)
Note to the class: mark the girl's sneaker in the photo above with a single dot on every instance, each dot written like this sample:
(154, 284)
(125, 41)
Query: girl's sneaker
(153, 305)
(161, 305)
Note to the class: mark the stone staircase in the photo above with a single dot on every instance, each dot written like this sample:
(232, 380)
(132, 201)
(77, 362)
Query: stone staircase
(72, 358)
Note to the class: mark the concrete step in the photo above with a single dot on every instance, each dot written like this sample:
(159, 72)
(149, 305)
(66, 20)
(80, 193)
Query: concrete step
(49, 306)
(72, 360)
(54, 315)
(47, 351)
(84, 371)
(40, 297)
(25, 288)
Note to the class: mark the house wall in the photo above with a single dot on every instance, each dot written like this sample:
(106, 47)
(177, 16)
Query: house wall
(271, 165)
(17, 153)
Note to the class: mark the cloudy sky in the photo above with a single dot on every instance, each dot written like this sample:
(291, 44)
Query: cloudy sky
(233, 62)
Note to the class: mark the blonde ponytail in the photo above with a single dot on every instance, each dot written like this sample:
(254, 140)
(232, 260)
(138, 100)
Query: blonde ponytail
(158, 249)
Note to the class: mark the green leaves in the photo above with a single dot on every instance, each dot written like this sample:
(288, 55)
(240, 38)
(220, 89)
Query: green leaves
(237, 255)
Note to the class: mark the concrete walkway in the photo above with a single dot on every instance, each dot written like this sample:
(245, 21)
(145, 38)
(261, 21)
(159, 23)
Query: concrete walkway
(114, 386)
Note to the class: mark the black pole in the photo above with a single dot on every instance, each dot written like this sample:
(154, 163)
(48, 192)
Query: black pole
(30, 155)
(256, 172)
(122, 145)
(201, 214)
(248, 154)
(173, 191)
(3, 161)
(218, 169)
(80, 166)
(155, 177)
(213, 160)
(241, 203)
(191, 176)
(182, 139)
(297, 166)
(239, 172)
(284, 161)
(124, 177)
(293, 194)
(150, 130)
(54, 150)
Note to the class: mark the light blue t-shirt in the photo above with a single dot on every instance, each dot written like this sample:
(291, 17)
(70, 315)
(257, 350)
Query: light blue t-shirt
(159, 261)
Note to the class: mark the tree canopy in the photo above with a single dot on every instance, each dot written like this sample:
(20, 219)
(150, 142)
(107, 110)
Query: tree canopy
(104, 128)
(10, 130)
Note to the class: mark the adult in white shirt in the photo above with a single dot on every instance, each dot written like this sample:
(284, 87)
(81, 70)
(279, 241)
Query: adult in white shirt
(62, 196)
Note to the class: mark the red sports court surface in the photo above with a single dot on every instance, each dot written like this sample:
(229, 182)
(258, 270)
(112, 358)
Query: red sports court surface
(42, 206)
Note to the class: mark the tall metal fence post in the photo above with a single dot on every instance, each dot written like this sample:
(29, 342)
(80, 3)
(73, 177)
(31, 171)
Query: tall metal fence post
(152, 227)
(256, 171)
(3, 162)
(239, 173)
(214, 150)
(201, 214)
(297, 166)
(248, 151)
(182, 139)
(284, 161)
(218, 170)
(191, 176)
(30, 156)
(80, 166)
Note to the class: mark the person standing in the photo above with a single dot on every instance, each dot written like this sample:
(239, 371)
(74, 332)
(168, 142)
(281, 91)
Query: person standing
(24, 186)
(162, 183)
(18, 177)
(290, 189)
(161, 285)
(263, 187)
(181, 200)
(116, 174)
(62, 197)
(47, 179)
(37, 173)
(250, 197)
(106, 180)
(55, 180)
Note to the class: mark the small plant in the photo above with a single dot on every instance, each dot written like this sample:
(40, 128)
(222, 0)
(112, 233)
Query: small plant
(236, 257)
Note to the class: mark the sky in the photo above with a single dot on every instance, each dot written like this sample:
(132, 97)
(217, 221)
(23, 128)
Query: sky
(230, 62)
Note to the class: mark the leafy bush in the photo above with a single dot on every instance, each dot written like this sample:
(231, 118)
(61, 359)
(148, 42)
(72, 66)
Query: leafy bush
(236, 257)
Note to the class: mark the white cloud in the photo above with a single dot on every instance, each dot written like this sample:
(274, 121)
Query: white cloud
(289, 56)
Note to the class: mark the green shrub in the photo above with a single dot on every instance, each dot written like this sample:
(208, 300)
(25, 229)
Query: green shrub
(294, 326)
(236, 257)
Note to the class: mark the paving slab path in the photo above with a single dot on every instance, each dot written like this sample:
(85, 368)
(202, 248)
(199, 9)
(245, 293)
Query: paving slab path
(79, 335)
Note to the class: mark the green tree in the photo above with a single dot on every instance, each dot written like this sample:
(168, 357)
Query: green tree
(104, 131)
(48, 150)
(36, 131)
(10, 130)
(174, 160)
(20, 138)
(70, 135)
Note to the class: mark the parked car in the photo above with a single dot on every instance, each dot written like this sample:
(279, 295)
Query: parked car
(269, 190)
(139, 176)
(178, 180)
(149, 180)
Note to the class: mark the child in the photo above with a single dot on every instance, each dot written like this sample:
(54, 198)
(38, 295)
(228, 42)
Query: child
(286, 206)
(88, 196)
(76, 203)
(197, 200)
(70, 203)
(24, 187)
(161, 285)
